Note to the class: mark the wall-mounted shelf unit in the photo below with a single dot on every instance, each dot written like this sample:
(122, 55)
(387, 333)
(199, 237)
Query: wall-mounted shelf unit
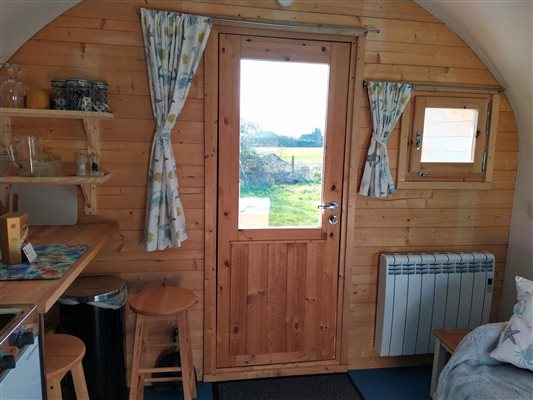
(58, 180)
(47, 113)
(91, 123)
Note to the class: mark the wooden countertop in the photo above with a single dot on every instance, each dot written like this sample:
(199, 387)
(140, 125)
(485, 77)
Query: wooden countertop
(44, 293)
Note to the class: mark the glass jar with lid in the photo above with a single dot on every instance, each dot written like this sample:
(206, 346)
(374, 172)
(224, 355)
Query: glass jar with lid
(58, 95)
(99, 96)
(13, 92)
(78, 94)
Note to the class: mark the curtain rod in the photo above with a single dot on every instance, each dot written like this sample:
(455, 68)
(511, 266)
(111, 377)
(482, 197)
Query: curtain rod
(310, 28)
(452, 87)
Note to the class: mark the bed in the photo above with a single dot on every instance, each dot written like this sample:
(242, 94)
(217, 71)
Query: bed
(494, 361)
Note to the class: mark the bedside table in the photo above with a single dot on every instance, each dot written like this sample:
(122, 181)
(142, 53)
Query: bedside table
(446, 341)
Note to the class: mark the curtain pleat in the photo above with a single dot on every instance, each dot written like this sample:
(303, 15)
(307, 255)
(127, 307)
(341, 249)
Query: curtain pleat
(387, 102)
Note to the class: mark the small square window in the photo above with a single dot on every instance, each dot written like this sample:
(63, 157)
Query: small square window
(447, 140)
(449, 135)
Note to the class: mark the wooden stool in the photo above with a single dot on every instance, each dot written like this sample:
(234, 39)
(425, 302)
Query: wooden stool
(64, 353)
(156, 304)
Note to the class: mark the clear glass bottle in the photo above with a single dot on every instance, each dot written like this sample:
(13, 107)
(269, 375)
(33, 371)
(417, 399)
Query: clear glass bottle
(13, 92)
(81, 160)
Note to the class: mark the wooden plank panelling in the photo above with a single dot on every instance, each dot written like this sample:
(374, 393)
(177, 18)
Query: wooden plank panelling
(238, 300)
(368, 255)
(410, 73)
(278, 308)
(257, 300)
(373, 218)
(384, 9)
(380, 52)
(66, 54)
(277, 297)
(102, 40)
(296, 278)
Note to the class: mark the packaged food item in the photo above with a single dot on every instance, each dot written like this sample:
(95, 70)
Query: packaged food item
(37, 99)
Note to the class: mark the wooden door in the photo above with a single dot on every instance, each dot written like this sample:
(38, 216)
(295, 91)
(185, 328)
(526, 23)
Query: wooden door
(277, 289)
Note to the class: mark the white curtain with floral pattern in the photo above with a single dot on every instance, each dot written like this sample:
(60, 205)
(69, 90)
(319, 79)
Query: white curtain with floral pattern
(387, 102)
(174, 44)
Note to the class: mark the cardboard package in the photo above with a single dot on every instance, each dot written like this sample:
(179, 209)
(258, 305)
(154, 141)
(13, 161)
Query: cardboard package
(13, 235)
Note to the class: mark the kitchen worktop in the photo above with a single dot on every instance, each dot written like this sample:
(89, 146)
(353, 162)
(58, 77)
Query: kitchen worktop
(44, 293)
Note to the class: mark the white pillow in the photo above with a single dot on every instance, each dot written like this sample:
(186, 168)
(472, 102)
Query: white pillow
(515, 345)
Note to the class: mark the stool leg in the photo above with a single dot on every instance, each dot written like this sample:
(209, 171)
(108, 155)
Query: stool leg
(80, 386)
(187, 366)
(137, 348)
(53, 389)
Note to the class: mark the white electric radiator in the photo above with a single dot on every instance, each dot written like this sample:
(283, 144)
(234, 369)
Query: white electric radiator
(421, 292)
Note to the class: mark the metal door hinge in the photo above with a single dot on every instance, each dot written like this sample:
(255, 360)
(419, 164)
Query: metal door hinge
(484, 162)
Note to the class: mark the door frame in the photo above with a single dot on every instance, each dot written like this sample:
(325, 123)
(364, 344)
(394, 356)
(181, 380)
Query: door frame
(350, 177)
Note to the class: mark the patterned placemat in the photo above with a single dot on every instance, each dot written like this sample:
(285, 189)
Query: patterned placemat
(53, 260)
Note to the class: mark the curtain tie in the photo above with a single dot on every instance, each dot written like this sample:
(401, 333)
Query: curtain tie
(381, 141)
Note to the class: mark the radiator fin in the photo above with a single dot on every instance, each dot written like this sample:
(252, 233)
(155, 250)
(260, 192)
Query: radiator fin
(421, 292)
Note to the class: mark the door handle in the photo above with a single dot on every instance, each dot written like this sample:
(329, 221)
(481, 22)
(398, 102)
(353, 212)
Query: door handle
(332, 205)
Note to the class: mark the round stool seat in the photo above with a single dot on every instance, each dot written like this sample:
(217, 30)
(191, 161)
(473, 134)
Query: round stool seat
(162, 301)
(63, 352)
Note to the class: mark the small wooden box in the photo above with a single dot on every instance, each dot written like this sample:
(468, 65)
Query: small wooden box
(13, 235)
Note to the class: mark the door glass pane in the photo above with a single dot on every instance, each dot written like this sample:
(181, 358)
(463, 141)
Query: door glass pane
(282, 129)
(449, 135)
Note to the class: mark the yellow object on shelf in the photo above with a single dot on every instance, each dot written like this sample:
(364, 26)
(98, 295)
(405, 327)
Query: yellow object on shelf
(14, 228)
(37, 99)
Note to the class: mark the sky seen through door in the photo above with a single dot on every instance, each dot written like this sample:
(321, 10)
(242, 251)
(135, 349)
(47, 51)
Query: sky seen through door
(287, 98)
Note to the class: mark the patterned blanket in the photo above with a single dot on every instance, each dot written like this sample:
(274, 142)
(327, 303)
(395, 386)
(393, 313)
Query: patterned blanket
(472, 374)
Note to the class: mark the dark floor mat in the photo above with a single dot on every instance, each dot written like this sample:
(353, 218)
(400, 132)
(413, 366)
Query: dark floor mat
(307, 387)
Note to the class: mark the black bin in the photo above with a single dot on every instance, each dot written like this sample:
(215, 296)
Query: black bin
(92, 309)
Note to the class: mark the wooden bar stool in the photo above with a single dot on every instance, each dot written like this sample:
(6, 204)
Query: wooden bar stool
(156, 304)
(64, 353)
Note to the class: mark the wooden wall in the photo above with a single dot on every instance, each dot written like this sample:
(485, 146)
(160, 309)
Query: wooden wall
(102, 40)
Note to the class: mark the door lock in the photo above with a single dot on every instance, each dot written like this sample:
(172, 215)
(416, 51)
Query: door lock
(333, 219)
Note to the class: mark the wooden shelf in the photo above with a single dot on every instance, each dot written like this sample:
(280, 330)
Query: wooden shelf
(91, 124)
(35, 113)
(58, 180)
(87, 185)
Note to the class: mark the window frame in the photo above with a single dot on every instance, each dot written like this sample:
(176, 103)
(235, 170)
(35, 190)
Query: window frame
(414, 174)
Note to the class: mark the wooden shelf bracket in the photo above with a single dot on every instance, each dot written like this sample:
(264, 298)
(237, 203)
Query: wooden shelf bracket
(5, 130)
(89, 198)
(92, 130)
